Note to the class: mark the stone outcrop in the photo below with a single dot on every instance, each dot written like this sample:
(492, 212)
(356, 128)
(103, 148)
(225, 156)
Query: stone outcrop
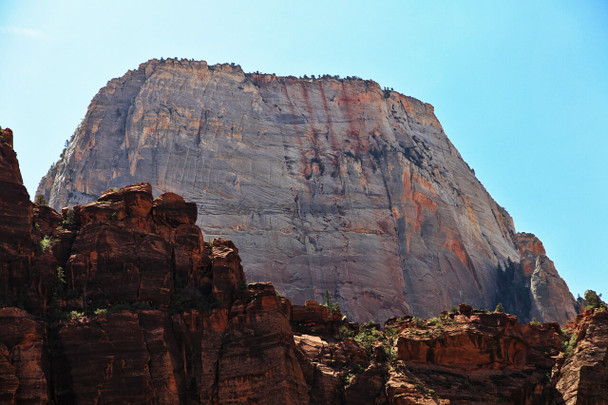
(547, 288)
(24, 358)
(15, 207)
(489, 356)
(581, 373)
(122, 302)
(323, 183)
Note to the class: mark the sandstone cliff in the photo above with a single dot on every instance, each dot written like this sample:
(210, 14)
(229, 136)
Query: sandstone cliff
(581, 373)
(324, 184)
(121, 301)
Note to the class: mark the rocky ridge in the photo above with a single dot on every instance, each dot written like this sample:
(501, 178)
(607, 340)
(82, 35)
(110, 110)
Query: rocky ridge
(121, 301)
(323, 183)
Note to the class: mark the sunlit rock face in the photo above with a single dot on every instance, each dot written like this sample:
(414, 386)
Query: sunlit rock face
(323, 184)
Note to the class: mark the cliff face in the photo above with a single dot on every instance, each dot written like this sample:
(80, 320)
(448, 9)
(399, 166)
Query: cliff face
(324, 184)
(121, 301)
(581, 373)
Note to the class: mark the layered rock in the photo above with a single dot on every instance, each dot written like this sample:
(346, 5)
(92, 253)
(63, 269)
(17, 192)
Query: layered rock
(24, 359)
(468, 357)
(547, 288)
(581, 374)
(187, 328)
(490, 357)
(324, 184)
(127, 304)
(16, 213)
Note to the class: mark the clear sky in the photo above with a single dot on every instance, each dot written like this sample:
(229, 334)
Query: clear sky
(520, 87)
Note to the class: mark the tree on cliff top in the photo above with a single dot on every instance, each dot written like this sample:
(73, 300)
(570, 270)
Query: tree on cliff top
(593, 300)
(330, 303)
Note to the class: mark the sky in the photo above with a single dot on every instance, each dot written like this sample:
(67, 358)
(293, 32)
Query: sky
(520, 87)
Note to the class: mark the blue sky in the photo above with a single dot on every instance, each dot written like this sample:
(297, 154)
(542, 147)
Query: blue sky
(520, 87)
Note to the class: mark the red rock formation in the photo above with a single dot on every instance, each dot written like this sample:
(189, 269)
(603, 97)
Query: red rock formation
(323, 184)
(466, 357)
(551, 299)
(127, 304)
(583, 375)
(24, 363)
(489, 355)
(16, 246)
(103, 267)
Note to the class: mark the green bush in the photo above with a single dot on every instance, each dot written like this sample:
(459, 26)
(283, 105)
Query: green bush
(569, 343)
(368, 335)
(330, 303)
(75, 315)
(437, 321)
(41, 200)
(345, 333)
(70, 218)
(593, 300)
(60, 275)
(100, 312)
(357, 369)
(419, 322)
(391, 332)
(46, 243)
(499, 308)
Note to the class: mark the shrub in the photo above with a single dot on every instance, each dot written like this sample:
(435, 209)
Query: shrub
(569, 343)
(45, 243)
(357, 369)
(367, 336)
(499, 308)
(434, 321)
(41, 200)
(534, 321)
(330, 303)
(70, 218)
(100, 312)
(593, 300)
(345, 333)
(418, 322)
(391, 332)
(60, 275)
(75, 315)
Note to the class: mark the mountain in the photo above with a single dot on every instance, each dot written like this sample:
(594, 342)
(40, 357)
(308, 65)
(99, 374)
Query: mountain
(325, 184)
(121, 301)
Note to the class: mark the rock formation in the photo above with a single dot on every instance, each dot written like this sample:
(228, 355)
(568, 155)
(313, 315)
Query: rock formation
(581, 372)
(324, 184)
(121, 301)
